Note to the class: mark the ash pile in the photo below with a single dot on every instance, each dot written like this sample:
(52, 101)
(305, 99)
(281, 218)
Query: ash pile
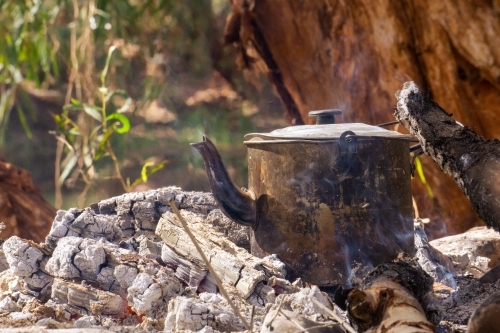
(126, 264)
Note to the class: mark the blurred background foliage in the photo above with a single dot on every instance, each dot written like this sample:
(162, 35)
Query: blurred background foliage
(177, 81)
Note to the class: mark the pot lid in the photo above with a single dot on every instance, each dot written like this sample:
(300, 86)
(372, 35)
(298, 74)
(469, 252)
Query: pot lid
(331, 131)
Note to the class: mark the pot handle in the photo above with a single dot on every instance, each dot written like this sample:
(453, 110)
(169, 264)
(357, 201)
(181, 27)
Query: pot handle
(348, 162)
(348, 142)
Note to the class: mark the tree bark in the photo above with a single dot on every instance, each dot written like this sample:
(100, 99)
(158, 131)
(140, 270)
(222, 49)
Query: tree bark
(354, 55)
(22, 207)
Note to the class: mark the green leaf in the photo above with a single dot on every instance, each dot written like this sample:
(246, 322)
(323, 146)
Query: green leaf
(69, 166)
(123, 120)
(102, 144)
(125, 106)
(24, 122)
(102, 13)
(122, 93)
(74, 131)
(147, 170)
(420, 172)
(92, 111)
(144, 171)
(118, 92)
(106, 67)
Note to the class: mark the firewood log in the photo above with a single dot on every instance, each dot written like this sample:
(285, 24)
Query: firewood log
(472, 161)
(394, 297)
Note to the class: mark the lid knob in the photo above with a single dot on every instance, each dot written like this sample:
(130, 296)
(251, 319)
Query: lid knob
(325, 116)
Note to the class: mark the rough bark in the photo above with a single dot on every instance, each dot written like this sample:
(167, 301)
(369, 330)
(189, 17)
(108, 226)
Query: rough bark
(472, 161)
(22, 208)
(354, 55)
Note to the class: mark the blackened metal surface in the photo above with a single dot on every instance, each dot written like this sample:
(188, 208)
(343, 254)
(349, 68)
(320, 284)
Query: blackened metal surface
(324, 214)
(237, 204)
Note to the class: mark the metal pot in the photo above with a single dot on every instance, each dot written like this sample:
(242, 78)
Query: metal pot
(325, 198)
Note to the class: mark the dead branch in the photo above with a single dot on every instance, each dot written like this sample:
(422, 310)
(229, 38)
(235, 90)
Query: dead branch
(472, 161)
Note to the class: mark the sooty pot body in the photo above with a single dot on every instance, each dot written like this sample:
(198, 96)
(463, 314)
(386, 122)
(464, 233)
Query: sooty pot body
(325, 210)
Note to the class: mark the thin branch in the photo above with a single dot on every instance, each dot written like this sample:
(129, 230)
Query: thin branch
(302, 329)
(57, 173)
(335, 316)
(276, 314)
(209, 266)
(251, 317)
(117, 166)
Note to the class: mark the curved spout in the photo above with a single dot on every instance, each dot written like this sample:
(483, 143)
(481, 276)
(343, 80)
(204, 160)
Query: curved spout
(237, 204)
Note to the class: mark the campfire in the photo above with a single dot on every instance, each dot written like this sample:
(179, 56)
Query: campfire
(172, 261)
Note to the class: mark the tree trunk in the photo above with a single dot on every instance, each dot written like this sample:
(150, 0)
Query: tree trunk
(355, 55)
(23, 210)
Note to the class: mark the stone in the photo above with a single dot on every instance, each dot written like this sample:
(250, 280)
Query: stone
(473, 252)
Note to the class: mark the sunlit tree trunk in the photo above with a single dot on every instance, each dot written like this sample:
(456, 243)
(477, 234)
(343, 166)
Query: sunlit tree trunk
(354, 55)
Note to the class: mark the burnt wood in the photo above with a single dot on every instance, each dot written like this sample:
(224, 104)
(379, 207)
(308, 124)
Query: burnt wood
(471, 160)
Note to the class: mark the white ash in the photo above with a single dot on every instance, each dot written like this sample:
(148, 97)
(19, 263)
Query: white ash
(93, 300)
(23, 258)
(190, 272)
(18, 319)
(125, 275)
(7, 305)
(302, 304)
(263, 294)
(437, 265)
(38, 281)
(194, 314)
(87, 322)
(281, 320)
(148, 248)
(4, 265)
(150, 295)
(61, 263)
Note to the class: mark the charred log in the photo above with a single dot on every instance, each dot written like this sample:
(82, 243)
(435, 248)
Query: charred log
(394, 297)
(471, 160)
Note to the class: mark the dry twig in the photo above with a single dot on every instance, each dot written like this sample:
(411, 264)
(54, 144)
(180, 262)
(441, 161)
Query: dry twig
(336, 317)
